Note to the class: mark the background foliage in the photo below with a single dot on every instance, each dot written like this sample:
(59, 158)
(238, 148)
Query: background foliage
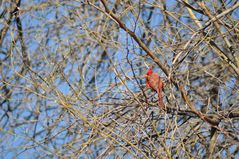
(72, 79)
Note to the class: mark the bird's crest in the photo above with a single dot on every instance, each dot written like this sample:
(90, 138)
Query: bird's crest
(150, 70)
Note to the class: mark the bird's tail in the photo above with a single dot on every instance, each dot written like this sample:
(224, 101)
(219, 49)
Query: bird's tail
(160, 99)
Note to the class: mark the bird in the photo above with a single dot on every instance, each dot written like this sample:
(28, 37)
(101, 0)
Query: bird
(154, 82)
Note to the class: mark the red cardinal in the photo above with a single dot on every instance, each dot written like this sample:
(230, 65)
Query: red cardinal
(154, 82)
